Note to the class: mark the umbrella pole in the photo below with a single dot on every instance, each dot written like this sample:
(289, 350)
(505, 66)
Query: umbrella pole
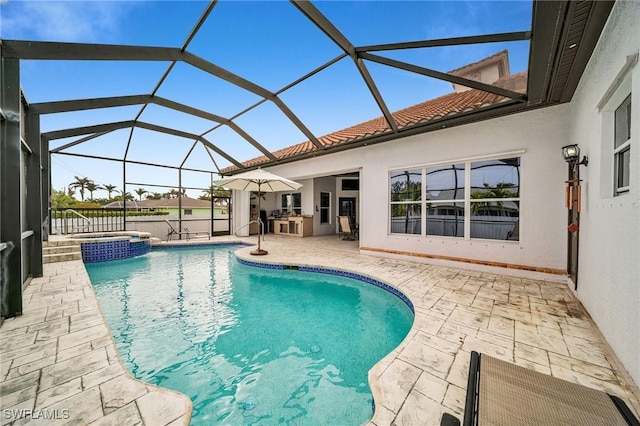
(259, 251)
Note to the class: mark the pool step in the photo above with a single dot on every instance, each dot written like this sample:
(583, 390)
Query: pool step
(60, 251)
(64, 257)
(59, 243)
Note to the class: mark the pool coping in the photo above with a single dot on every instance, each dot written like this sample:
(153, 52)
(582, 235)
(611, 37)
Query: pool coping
(97, 237)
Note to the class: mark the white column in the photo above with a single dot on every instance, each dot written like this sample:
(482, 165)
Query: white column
(241, 211)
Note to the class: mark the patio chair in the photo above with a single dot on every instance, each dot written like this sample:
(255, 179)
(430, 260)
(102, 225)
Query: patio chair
(185, 231)
(348, 231)
(501, 393)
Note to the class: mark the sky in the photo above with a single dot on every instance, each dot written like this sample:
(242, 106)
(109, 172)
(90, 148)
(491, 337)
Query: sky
(270, 43)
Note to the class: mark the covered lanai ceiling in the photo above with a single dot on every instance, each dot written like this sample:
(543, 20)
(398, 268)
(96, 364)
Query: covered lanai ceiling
(343, 63)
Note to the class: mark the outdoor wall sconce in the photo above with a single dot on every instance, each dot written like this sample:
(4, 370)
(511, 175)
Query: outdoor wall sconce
(571, 154)
(573, 195)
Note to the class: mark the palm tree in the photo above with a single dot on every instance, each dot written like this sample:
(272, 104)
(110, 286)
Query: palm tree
(81, 184)
(70, 192)
(501, 190)
(171, 194)
(154, 196)
(91, 187)
(109, 189)
(128, 197)
(214, 191)
(141, 192)
(174, 193)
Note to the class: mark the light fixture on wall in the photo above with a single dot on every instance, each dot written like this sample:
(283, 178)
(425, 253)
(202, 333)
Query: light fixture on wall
(571, 154)
(573, 196)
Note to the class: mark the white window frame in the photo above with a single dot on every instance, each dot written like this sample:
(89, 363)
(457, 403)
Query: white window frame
(293, 208)
(615, 95)
(420, 202)
(626, 146)
(328, 208)
(463, 201)
(467, 198)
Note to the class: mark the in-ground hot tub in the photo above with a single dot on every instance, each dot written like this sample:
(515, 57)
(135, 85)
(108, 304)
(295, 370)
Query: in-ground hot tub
(104, 246)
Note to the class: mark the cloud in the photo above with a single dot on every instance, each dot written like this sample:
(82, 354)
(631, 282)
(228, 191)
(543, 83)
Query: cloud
(68, 21)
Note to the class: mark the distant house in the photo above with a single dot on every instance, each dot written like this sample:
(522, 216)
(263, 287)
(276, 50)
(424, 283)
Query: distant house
(129, 204)
(190, 206)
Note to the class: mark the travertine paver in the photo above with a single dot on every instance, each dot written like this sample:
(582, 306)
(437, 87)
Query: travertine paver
(60, 366)
(60, 355)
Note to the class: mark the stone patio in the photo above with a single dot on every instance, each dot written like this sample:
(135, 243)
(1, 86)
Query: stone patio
(59, 364)
(59, 357)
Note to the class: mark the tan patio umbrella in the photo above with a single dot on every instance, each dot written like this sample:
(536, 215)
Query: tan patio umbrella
(260, 181)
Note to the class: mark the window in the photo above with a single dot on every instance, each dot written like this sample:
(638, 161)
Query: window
(292, 203)
(406, 202)
(350, 184)
(325, 207)
(188, 212)
(445, 200)
(494, 199)
(474, 199)
(622, 147)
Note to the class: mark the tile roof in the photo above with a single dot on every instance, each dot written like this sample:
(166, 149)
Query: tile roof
(443, 106)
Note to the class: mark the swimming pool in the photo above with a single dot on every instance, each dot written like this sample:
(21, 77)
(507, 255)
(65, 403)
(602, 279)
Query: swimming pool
(249, 345)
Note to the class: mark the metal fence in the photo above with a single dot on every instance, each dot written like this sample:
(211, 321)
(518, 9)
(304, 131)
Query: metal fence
(77, 221)
(157, 225)
(72, 221)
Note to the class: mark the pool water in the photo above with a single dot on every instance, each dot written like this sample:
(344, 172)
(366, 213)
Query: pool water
(249, 345)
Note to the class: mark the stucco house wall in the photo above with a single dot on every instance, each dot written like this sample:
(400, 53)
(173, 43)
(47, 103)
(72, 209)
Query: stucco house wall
(536, 136)
(609, 263)
(307, 192)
